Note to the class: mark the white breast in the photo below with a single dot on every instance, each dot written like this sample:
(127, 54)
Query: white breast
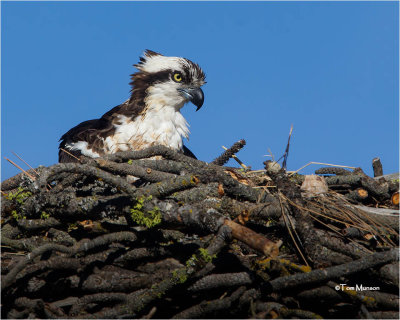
(162, 125)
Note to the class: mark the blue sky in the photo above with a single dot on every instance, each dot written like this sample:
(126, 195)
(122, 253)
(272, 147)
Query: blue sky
(328, 68)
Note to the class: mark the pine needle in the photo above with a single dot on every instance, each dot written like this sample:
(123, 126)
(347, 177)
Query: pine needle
(25, 162)
(321, 163)
(69, 153)
(37, 173)
(286, 219)
(13, 163)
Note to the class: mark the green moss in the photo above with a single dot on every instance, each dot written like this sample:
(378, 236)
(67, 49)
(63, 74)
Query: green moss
(130, 161)
(72, 226)
(19, 196)
(191, 262)
(16, 215)
(44, 215)
(156, 291)
(149, 218)
(179, 275)
(206, 256)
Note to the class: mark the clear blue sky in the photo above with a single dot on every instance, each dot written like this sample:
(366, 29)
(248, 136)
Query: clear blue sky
(330, 69)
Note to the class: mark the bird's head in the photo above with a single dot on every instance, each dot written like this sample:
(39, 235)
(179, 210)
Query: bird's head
(171, 81)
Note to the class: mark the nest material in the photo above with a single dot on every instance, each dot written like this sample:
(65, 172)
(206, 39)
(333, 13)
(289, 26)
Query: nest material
(195, 240)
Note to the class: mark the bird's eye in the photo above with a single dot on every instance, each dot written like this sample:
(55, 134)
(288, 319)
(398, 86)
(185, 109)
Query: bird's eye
(177, 77)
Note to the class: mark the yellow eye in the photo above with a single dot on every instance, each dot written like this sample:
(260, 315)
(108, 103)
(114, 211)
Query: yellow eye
(177, 77)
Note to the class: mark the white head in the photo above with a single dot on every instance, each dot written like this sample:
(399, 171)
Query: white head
(171, 81)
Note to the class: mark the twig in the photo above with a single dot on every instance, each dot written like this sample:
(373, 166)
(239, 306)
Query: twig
(70, 154)
(203, 309)
(236, 159)
(230, 153)
(333, 170)
(286, 154)
(214, 281)
(81, 247)
(87, 170)
(37, 173)
(285, 218)
(253, 239)
(322, 163)
(112, 251)
(316, 276)
(24, 162)
(14, 164)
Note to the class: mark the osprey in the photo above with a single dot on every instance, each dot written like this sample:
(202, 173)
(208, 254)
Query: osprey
(151, 116)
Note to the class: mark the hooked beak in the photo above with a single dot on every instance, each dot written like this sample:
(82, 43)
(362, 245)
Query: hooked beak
(195, 95)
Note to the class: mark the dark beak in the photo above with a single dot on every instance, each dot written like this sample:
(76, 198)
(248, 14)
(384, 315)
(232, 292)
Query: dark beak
(195, 95)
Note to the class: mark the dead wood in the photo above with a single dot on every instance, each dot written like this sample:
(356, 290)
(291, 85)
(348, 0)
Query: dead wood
(345, 269)
(377, 166)
(333, 170)
(192, 239)
(224, 157)
(395, 198)
(357, 195)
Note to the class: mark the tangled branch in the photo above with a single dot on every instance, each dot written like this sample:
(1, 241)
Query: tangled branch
(190, 239)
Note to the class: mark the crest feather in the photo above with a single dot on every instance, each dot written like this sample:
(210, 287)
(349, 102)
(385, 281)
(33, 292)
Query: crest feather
(146, 55)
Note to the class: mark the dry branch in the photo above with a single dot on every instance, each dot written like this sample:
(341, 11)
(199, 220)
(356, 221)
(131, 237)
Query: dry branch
(377, 166)
(224, 158)
(346, 269)
(193, 239)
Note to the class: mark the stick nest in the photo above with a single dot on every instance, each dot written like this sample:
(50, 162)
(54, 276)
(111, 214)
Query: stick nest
(192, 239)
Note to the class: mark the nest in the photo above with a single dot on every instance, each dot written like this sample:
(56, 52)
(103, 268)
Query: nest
(192, 239)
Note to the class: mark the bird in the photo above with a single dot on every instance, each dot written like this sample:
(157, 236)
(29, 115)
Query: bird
(151, 116)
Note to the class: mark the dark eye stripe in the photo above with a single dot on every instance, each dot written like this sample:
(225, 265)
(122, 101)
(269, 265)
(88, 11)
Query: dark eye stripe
(186, 70)
(160, 76)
